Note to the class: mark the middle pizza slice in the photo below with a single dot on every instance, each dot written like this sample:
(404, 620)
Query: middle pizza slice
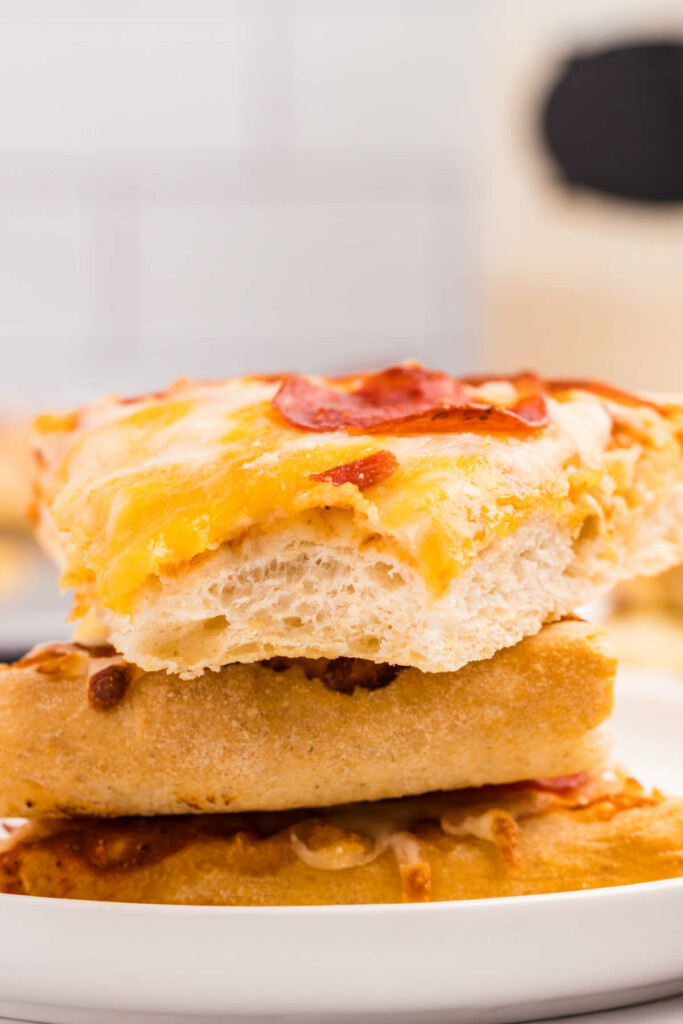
(82, 732)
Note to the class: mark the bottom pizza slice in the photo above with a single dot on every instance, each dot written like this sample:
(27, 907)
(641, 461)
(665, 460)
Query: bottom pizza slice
(543, 836)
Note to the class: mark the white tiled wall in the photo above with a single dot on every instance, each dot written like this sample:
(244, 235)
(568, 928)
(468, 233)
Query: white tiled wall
(298, 270)
(43, 270)
(208, 186)
(386, 75)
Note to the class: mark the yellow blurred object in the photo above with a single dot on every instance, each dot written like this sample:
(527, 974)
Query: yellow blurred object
(655, 593)
(17, 560)
(646, 626)
(15, 474)
(647, 639)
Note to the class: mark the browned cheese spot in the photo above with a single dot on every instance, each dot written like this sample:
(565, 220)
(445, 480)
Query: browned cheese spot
(343, 675)
(108, 686)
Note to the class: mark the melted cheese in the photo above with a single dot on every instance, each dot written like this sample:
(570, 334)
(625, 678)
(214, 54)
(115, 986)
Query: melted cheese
(134, 490)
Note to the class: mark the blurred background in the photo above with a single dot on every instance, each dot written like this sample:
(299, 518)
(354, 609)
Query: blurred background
(206, 187)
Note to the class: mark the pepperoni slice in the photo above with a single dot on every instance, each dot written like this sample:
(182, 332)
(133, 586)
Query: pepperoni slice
(561, 783)
(408, 399)
(362, 472)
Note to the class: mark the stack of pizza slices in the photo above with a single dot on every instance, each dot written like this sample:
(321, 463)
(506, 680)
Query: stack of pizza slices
(325, 650)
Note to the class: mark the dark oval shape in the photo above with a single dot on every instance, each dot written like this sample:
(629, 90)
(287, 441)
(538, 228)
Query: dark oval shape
(108, 686)
(613, 121)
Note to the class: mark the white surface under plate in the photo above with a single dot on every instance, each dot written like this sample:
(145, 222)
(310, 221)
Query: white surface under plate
(499, 960)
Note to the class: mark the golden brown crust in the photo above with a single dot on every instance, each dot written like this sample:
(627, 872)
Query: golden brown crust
(439, 847)
(266, 737)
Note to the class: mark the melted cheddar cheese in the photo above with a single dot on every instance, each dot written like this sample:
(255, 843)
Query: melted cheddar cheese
(129, 490)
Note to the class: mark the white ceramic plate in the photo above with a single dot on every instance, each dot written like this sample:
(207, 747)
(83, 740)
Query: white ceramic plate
(463, 963)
